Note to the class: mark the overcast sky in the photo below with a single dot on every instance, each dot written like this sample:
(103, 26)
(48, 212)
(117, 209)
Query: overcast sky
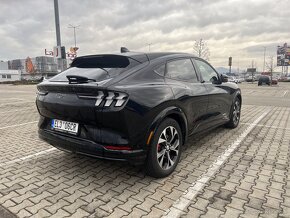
(237, 28)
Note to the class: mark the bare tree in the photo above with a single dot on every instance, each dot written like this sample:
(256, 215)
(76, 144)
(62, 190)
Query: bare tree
(270, 66)
(201, 50)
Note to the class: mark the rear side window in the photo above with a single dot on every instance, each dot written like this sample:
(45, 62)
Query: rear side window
(97, 71)
(160, 70)
(181, 70)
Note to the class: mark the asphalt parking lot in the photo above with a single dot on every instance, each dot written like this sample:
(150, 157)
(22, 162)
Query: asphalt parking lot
(242, 172)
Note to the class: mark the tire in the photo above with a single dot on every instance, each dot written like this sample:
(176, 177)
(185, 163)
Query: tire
(234, 114)
(167, 147)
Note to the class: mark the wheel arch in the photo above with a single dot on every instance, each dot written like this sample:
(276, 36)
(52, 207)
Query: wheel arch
(174, 113)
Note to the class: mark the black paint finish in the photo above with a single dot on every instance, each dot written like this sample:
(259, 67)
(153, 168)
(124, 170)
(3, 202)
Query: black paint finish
(197, 106)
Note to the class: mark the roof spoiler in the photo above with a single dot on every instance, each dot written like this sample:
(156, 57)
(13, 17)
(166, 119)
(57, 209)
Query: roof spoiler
(124, 50)
(101, 61)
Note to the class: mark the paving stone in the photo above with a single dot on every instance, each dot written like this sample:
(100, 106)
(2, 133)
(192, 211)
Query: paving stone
(57, 205)
(60, 213)
(164, 204)
(155, 212)
(92, 196)
(256, 203)
(125, 195)
(119, 213)
(91, 207)
(270, 212)
(231, 212)
(193, 213)
(79, 213)
(237, 203)
(74, 206)
(147, 204)
(251, 212)
(36, 207)
(21, 198)
(23, 205)
(23, 213)
(273, 202)
(109, 207)
(42, 213)
(257, 193)
(8, 203)
(201, 204)
(40, 197)
(130, 203)
(211, 212)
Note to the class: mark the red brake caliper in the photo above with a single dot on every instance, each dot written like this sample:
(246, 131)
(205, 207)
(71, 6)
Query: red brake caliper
(158, 147)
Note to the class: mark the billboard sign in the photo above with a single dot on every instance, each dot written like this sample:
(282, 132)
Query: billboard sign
(283, 55)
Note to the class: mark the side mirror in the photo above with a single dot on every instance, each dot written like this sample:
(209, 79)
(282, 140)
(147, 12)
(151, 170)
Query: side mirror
(224, 78)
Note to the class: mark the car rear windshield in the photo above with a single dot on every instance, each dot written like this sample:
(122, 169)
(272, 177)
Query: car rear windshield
(97, 68)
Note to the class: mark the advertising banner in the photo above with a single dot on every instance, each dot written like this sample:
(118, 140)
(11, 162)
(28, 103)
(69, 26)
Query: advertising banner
(283, 55)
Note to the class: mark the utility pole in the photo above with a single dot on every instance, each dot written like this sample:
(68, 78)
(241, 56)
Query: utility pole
(230, 65)
(74, 27)
(149, 44)
(61, 64)
(252, 71)
(264, 58)
(57, 27)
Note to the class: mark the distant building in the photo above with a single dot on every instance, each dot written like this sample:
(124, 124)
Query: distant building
(3, 65)
(10, 75)
(33, 68)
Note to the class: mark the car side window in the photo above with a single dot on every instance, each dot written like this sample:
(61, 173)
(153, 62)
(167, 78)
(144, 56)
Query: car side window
(207, 72)
(181, 70)
(160, 70)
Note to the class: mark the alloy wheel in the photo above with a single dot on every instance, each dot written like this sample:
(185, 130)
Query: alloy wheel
(236, 112)
(168, 147)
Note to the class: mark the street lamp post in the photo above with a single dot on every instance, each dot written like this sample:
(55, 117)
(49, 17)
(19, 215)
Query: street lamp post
(74, 27)
(149, 44)
(264, 58)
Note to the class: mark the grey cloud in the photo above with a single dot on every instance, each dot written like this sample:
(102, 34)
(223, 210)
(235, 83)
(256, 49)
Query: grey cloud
(229, 26)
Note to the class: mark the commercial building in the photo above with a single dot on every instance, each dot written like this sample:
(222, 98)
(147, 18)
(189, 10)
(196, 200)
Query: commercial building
(9, 75)
(34, 68)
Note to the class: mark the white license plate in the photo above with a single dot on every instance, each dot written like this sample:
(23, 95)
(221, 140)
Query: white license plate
(64, 126)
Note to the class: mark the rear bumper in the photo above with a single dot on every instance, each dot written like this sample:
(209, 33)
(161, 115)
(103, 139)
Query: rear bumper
(90, 148)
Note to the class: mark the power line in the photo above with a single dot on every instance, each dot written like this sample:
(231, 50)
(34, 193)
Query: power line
(74, 27)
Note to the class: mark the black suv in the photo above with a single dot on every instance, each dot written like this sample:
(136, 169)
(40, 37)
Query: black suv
(135, 106)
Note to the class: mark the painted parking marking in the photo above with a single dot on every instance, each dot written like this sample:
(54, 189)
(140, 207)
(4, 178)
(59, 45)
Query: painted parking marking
(22, 110)
(15, 91)
(28, 157)
(285, 93)
(23, 102)
(16, 125)
(267, 126)
(8, 99)
(183, 202)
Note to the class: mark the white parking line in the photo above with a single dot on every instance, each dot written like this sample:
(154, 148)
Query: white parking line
(7, 99)
(13, 111)
(183, 202)
(27, 157)
(274, 127)
(285, 93)
(17, 103)
(15, 91)
(16, 125)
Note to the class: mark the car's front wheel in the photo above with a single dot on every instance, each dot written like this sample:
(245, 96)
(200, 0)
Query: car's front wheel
(235, 114)
(165, 150)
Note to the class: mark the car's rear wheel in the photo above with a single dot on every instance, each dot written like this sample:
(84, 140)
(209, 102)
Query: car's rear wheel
(165, 150)
(235, 114)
